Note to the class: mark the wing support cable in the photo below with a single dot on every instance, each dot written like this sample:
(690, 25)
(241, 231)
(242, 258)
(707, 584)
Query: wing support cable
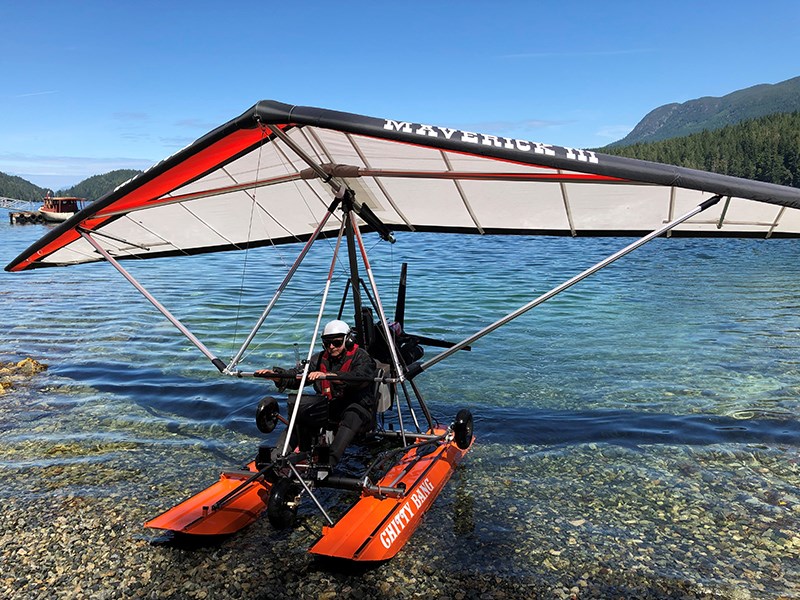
(160, 307)
(229, 370)
(416, 370)
(307, 365)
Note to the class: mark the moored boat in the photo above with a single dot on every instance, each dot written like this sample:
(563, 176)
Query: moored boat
(60, 208)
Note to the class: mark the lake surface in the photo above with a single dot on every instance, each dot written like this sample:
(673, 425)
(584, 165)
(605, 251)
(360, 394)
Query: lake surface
(644, 421)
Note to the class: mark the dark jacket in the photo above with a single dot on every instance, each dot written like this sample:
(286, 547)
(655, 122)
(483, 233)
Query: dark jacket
(343, 392)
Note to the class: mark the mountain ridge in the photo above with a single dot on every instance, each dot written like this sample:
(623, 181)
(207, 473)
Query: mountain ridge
(714, 112)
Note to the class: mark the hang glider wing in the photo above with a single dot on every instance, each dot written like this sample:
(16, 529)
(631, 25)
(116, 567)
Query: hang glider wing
(242, 186)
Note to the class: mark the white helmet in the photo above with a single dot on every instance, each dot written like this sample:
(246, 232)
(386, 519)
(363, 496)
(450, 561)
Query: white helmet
(336, 327)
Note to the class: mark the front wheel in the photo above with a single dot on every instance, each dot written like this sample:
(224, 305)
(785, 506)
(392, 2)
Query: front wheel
(267, 414)
(462, 429)
(282, 505)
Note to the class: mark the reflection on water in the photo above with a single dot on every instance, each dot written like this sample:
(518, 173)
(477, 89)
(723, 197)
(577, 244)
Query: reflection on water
(647, 415)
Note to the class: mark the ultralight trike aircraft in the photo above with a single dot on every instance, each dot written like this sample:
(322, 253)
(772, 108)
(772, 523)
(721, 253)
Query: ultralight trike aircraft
(281, 174)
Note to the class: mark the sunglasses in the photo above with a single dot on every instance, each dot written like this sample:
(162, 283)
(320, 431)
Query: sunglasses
(335, 342)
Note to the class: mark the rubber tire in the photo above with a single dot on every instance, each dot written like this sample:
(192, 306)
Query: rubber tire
(462, 428)
(281, 508)
(267, 414)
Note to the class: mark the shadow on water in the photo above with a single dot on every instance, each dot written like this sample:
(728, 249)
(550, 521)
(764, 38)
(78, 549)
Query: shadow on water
(224, 402)
(628, 428)
(231, 403)
(179, 401)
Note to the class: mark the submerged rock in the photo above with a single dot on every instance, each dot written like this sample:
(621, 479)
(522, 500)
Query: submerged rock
(11, 372)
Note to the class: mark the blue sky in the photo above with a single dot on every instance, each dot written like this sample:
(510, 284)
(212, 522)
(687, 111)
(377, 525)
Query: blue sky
(87, 87)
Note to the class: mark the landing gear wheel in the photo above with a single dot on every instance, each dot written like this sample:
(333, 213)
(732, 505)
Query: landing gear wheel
(462, 428)
(282, 504)
(267, 414)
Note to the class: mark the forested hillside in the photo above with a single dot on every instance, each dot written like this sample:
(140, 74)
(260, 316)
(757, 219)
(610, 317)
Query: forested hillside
(765, 149)
(18, 188)
(99, 185)
(92, 188)
(709, 113)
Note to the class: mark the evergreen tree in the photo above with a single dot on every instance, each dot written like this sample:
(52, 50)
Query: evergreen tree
(764, 149)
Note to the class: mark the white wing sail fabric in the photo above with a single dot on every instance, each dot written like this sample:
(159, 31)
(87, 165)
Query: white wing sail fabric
(242, 186)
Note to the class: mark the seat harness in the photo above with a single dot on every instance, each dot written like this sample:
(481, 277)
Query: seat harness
(325, 385)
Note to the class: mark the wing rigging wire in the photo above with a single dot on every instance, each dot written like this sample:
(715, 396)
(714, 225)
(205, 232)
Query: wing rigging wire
(289, 167)
(254, 202)
(281, 324)
(262, 209)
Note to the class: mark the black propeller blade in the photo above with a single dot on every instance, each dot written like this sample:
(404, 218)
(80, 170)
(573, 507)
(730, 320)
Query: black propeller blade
(400, 307)
(399, 317)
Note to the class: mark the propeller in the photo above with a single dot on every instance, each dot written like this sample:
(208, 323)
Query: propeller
(400, 307)
(408, 344)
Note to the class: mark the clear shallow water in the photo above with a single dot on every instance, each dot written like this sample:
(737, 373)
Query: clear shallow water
(666, 385)
(678, 329)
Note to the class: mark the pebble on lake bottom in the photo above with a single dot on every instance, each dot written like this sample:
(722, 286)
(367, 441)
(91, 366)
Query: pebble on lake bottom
(582, 521)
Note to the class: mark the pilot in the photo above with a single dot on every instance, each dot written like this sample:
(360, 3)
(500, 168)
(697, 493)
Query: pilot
(348, 405)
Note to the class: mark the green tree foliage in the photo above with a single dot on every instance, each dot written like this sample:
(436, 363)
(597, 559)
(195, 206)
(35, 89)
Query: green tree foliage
(91, 189)
(99, 185)
(764, 149)
(18, 188)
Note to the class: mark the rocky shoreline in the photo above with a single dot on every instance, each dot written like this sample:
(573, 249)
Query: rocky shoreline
(70, 547)
(579, 522)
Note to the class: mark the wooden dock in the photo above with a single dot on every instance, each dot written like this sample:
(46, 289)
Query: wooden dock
(24, 217)
(20, 217)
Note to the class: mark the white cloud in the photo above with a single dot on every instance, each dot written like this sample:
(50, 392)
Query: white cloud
(586, 53)
(30, 94)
